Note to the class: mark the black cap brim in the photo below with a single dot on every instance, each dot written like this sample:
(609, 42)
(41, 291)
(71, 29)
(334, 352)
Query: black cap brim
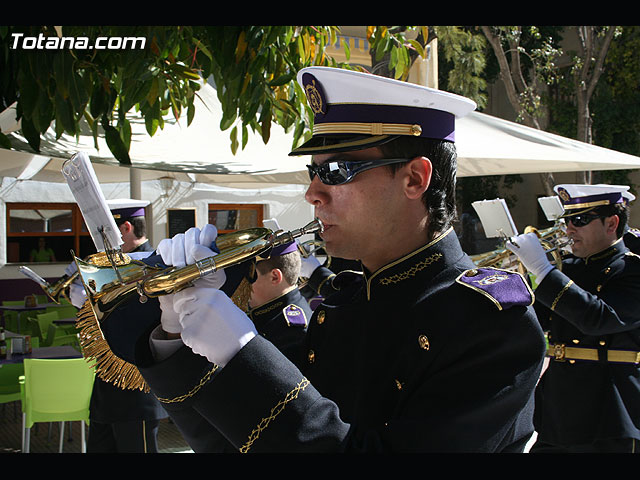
(340, 143)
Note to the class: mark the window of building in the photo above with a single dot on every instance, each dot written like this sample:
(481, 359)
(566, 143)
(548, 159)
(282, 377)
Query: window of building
(46, 232)
(231, 217)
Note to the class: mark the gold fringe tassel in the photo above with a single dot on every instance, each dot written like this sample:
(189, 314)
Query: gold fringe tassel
(109, 367)
(113, 369)
(242, 294)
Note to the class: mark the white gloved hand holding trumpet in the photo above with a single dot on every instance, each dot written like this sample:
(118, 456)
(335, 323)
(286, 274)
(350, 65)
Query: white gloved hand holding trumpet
(529, 250)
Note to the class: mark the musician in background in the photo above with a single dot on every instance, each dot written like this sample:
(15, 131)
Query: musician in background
(122, 420)
(588, 399)
(419, 353)
(277, 308)
(631, 234)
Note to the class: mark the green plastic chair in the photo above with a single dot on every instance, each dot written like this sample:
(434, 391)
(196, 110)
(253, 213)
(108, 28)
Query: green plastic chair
(56, 336)
(55, 390)
(63, 311)
(45, 319)
(66, 311)
(11, 318)
(9, 384)
(50, 334)
(34, 328)
(42, 299)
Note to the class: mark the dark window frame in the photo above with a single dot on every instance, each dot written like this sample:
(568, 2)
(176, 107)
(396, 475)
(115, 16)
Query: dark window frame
(78, 228)
(257, 207)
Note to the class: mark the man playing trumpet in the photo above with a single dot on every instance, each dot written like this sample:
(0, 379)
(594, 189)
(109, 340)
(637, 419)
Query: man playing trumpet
(588, 400)
(423, 352)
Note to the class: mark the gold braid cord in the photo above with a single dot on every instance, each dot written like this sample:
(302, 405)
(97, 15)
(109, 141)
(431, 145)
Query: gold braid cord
(113, 369)
(109, 367)
(242, 294)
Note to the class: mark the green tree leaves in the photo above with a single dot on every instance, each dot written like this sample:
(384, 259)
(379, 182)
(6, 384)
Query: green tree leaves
(253, 68)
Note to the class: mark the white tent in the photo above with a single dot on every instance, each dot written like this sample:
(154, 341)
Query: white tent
(491, 146)
(201, 152)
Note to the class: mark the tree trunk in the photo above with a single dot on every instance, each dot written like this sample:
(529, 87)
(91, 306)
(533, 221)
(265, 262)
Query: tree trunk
(515, 85)
(587, 78)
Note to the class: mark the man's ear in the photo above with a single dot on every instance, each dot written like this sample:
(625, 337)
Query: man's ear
(612, 223)
(418, 176)
(276, 276)
(126, 227)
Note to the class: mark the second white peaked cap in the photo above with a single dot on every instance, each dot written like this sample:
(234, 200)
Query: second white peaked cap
(127, 207)
(579, 198)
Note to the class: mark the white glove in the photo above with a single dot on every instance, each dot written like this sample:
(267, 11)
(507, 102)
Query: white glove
(308, 265)
(77, 294)
(189, 247)
(185, 249)
(169, 317)
(212, 325)
(71, 269)
(530, 252)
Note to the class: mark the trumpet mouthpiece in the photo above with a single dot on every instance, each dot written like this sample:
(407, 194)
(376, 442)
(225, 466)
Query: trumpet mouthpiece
(314, 226)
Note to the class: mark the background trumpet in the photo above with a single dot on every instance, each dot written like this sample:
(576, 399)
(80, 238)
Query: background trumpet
(554, 241)
(60, 288)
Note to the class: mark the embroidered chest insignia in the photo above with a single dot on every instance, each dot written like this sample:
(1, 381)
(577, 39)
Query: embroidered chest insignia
(294, 316)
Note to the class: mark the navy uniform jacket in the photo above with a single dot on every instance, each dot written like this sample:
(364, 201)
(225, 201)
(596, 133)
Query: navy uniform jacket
(283, 321)
(425, 354)
(110, 404)
(632, 240)
(594, 304)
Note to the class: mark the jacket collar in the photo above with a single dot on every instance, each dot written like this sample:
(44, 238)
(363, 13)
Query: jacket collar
(607, 255)
(417, 267)
(270, 309)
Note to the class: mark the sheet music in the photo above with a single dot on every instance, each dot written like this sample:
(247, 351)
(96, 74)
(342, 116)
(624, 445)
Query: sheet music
(84, 185)
(496, 218)
(26, 271)
(552, 207)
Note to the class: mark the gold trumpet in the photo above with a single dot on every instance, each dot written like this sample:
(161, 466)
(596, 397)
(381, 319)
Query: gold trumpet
(108, 287)
(308, 248)
(552, 239)
(60, 288)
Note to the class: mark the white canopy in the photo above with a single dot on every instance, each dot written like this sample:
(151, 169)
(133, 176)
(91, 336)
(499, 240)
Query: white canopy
(201, 152)
(491, 146)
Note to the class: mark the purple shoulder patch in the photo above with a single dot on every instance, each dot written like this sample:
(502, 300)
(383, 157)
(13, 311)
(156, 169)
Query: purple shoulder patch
(504, 288)
(294, 316)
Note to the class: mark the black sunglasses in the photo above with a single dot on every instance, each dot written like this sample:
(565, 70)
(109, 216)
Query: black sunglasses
(339, 172)
(582, 220)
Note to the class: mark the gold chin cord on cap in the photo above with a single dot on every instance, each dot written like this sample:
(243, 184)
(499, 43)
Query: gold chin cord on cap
(368, 128)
